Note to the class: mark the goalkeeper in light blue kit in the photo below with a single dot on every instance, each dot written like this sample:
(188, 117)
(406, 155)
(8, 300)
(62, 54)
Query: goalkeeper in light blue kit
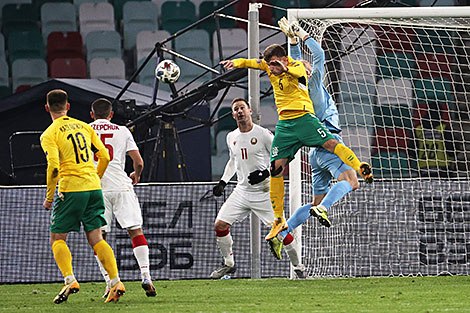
(325, 165)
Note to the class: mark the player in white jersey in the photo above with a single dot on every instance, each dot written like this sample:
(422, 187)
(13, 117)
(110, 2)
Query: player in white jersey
(119, 197)
(249, 146)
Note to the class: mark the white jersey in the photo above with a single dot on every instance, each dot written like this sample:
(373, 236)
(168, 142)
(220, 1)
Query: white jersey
(249, 152)
(118, 140)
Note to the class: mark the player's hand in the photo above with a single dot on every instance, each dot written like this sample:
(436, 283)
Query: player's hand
(228, 64)
(284, 25)
(219, 188)
(257, 176)
(135, 178)
(47, 205)
(298, 30)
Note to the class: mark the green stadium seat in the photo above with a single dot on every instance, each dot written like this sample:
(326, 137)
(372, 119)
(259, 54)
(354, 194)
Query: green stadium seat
(19, 17)
(138, 16)
(392, 65)
(207, 7)
(433, 89)
(394, 164)
(25, 45)
(393, 115)
(58, 17)
(4, 73)
(176, 15)
(435, 41)
(355, 103)
(119, 7)
(39, 3)
(2, 47)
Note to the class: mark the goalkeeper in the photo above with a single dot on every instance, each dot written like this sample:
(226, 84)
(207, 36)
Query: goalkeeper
(325, 165)
(249, 147)
(298, 126)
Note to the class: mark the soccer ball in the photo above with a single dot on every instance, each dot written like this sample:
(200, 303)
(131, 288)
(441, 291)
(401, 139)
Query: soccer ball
(167, 71)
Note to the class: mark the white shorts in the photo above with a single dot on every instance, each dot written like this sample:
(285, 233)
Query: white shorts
(125, 206)
(239, 204)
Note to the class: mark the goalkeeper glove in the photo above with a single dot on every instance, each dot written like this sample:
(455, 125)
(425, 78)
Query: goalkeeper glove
(257, 176)
(219, 188)
(284, 25)
(297, 30)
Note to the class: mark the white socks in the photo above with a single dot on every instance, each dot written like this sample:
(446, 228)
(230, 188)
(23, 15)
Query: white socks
(292, 253)
(141, 254)
(225, 247)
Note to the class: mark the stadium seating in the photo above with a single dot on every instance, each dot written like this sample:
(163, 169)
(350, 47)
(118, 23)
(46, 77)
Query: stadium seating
(68, 68)
(96, 16)
(227, 123)
(19, 17)
(5, 91)
(39, 3)
(194, 44)
(5, 2)
(393, 115)
(395, 91)
(394, 39)
(265, 13)
(429, 40)
(58, 17)
(355, 103)
(107, 68)
(119, 8)
(138, 16)
(28, 72)
(434, 65)
(390, 139)
(78, 3)
(433, 89)
(176, 15)
(146, 41)
(66, 45)
(26, 44)
(233, 40)
(393, 65)
(4, 73)
(147, 75)
(269, 37)
(207, 7)
(2, 47)
(269, 116)
(278, 13)
(390, 164)
(103, 44)
(360, 53)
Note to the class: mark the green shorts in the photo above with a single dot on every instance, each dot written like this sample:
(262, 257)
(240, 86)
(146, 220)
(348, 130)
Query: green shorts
(73, 208)
(292, 134)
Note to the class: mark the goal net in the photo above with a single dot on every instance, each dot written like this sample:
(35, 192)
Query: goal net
(399, 77)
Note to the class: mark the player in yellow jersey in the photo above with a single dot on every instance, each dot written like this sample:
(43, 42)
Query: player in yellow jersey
(297, 126)
(69, 145)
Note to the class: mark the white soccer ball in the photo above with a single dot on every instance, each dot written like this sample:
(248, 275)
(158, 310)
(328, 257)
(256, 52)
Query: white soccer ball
(167, 71)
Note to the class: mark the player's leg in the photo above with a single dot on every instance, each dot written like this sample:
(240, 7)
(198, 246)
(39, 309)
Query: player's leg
(276, 194)
(93, 219)
(108, 215)
(234, 209)
(128, 214)
(350, 159)
(141, 253)
(68, 207)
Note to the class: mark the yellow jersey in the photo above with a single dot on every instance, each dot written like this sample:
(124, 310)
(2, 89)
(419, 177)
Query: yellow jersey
(69, 145)
(290, 88)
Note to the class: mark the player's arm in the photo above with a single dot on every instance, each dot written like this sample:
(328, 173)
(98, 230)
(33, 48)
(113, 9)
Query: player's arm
(317, 53)
(258, 64)
(138, 164)
(51, 150)
(101, 152)
(295, 52)
(229, 171)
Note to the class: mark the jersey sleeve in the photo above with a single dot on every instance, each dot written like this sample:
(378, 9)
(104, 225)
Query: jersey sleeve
(51, 149)
(296, 69)
(230, 167)
(259, 64)
(130, 142)
(295, 52)
(317, 53)
(100, 151)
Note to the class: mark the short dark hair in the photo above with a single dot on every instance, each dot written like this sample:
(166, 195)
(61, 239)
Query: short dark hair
(239, 99)
(274, 50)
(57, 100)
(101, 108)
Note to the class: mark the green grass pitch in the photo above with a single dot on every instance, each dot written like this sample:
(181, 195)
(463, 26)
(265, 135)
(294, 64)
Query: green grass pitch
(398, 294)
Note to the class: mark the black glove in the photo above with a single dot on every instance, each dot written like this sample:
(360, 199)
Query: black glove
(257, 176)
(219, 188)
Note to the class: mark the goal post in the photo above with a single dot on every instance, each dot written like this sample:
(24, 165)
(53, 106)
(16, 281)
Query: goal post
(401, 80)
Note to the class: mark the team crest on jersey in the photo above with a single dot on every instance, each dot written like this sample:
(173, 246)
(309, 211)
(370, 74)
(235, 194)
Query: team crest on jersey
(253, 141)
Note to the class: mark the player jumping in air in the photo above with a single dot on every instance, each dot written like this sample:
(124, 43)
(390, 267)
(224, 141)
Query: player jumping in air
(69, 145)
(118, 192)
(298, 126)
(325, 165)
(249, 147)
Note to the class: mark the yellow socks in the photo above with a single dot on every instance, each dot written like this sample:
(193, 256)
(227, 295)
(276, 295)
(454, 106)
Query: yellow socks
(63, 257)
(347, 156)
(276, 192)
(106, 256)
